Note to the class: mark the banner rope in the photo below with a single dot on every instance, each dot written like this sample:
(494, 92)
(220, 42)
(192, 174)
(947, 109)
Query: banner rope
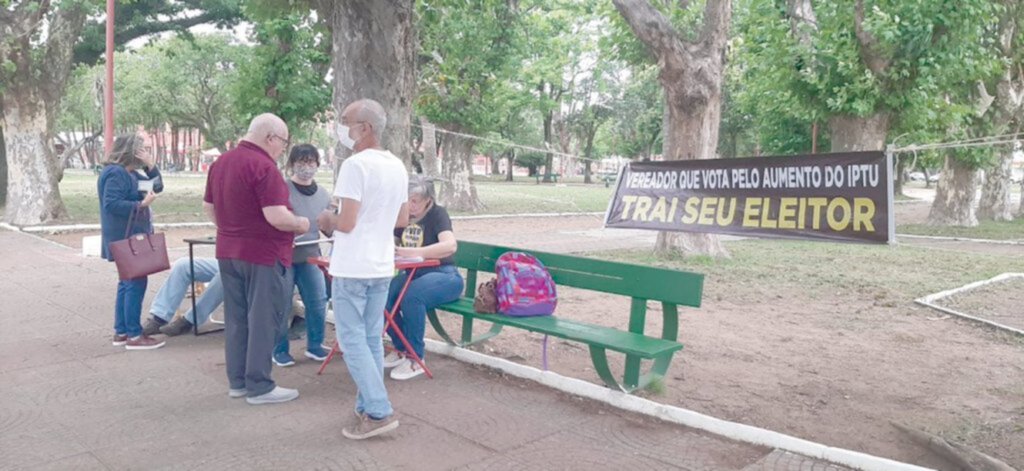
(964, 143)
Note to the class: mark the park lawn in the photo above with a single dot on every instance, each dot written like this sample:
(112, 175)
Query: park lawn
(522, 198)
(888, 275)
(182, 198)
(995, 230)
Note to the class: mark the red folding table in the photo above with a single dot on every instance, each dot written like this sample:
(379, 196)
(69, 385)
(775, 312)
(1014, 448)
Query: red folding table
(389, 317)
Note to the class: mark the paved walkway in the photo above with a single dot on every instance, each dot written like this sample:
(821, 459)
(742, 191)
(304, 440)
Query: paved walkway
(72, 401)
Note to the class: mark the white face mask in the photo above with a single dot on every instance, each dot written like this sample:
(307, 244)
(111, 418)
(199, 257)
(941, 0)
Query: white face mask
(344, 138)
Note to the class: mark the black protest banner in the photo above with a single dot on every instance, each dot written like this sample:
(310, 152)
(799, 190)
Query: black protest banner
(839, 197)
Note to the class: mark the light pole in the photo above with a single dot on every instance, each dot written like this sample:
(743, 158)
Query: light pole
(108, 90)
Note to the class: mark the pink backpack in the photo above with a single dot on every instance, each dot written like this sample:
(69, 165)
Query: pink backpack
(524, 287)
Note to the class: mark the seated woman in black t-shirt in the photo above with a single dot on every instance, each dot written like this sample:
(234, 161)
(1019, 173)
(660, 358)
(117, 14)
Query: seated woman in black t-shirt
(429, 235)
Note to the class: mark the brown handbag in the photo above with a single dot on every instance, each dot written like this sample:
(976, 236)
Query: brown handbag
(139, 255)
(486, 301)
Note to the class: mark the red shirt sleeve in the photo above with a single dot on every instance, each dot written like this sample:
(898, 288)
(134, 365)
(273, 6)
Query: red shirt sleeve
(208, 196)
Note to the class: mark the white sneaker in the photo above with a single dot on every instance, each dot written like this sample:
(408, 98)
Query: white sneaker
(408, 370)
(276, 395)
(236, 393)
(394, 359)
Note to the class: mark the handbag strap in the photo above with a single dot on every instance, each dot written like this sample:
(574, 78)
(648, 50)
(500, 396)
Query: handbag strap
(131, 222)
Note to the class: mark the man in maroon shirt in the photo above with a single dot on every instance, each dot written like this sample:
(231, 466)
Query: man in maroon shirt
(247, 199)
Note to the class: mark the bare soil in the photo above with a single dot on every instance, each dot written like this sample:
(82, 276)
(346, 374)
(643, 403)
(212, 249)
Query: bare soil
(836, 367)
(1001, 302)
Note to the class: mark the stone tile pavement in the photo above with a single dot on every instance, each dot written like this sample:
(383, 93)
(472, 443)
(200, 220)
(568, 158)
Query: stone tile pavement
(72, 401)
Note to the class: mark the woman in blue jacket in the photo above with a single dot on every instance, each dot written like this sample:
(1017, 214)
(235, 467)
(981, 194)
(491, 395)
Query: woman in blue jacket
(127, 187)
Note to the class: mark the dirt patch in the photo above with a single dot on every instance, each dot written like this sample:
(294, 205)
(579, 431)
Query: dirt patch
(912, 212)
(833, 370)
(1001, 302)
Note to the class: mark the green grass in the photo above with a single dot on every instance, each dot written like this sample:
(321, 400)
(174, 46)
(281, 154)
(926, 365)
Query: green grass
(1013, 230)
(182, 199)
(518, 198)
(888, 275)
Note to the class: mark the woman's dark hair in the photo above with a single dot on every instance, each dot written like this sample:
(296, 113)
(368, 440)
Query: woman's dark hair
(303, 152)
(123, 152)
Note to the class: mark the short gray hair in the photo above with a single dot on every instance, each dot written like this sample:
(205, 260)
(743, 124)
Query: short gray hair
(421, 185)
(372, 112)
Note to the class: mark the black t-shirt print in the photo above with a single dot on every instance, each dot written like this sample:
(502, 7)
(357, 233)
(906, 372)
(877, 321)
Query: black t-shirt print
(424, 232)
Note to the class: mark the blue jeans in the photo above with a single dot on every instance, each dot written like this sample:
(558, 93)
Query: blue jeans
(173, 291)
(359, 323)
(313, 291)
(430, 288)
(128, 306)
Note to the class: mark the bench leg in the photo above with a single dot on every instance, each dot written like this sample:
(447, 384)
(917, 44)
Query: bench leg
(633, 380)
(600, 359)
(467, 331)
(434, 321)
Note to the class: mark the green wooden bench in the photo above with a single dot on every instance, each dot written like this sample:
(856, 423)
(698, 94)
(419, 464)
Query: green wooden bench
(671, 288)
(609, 178)
(553, 176)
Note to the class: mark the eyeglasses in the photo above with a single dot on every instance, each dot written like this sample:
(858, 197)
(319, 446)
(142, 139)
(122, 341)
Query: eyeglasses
(346, 123)
(287, 142)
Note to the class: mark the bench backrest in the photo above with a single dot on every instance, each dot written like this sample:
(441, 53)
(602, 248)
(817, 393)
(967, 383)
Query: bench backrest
(636, 281)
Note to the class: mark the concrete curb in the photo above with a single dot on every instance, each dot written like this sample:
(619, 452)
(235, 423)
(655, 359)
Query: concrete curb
(526, 215)
(620, 400)
(4, 225)
(928, 301)
(963, 239)
(96, 227)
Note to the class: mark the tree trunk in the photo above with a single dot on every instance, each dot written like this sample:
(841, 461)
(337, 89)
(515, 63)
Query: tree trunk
(855, 133)
(430, 167)
(588, 150)
(995, 204)
(373, 56)
(31, 101)
(174, 145)
(691, 76)
(3, 167)
(954, 196)
(691, 133)
(457, 190)
(511, 164)
(900, 177)
(33, 173)
(1020, 209)
(495, 164)
(549, 158)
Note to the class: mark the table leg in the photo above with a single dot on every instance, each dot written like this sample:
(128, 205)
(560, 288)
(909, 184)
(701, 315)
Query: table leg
(335, 348)
(390, 318)
(192, 287)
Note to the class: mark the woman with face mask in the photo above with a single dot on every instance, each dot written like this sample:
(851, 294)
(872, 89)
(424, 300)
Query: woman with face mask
(307, 199)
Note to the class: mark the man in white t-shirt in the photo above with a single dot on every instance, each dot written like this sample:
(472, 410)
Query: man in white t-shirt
(373, 189)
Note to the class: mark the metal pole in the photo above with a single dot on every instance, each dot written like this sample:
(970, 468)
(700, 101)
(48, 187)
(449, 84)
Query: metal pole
(889, 151)
(108, 90)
